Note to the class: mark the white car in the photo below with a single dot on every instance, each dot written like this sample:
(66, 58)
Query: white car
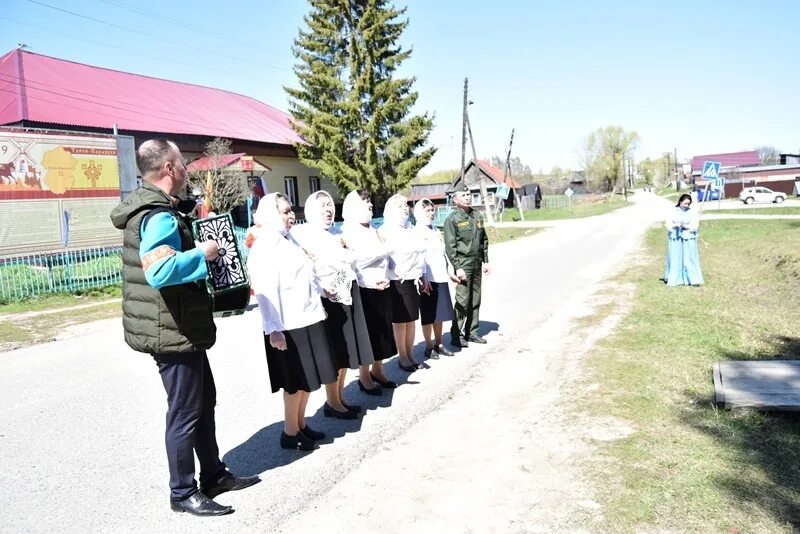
(750, 195)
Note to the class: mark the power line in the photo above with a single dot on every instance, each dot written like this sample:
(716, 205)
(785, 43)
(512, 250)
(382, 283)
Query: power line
(135, 52)
(155, 36)
(182, 24)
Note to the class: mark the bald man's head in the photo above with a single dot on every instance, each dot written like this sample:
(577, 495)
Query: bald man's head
(153, 154)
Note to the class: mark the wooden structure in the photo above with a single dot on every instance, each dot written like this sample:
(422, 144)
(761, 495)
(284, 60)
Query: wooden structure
(771, 385)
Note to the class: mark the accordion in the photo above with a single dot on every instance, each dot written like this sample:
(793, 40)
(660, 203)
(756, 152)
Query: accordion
(227, 282)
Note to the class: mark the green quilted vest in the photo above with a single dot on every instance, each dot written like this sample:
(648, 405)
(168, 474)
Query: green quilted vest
(171, 319)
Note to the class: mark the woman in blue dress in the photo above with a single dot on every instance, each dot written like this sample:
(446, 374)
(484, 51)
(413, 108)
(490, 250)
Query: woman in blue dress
(683, 260)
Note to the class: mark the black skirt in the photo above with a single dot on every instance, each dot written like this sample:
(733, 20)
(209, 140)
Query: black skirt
(405, 301)
(377, 305)
(347, 332)
(436, 306)
(307, 362)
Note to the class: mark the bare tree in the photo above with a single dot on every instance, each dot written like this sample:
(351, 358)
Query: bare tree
(768, 155)
(229, 187)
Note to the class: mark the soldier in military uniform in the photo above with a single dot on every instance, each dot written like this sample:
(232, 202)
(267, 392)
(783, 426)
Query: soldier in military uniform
(467, 248)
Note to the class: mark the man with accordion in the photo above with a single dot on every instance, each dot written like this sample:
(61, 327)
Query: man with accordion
(167, 313)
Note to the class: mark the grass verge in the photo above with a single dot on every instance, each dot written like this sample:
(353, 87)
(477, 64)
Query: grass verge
(498, 235)
(576, 211)
(61, 300)
(690, 467)
(760, 210)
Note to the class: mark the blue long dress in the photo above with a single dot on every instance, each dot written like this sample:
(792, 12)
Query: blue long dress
(683, 259)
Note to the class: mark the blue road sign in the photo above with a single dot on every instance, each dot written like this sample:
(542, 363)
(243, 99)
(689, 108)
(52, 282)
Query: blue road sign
(710, 170)
(719, 183)
(502, 191)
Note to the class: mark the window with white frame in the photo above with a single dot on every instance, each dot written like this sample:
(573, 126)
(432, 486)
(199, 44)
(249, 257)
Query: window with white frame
(313, 184)
(290, 184)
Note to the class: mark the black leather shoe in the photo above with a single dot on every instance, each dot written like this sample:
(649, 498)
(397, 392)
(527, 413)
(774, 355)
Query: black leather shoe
(355, 408)
(328, 411)
(477, 339)
(376, 391)
(407, 368)
(431, 354)
(228, 482)
(459, 341)
(316, 435)
(442, 351)
(386, 384)
(299, 442)
(200, 505)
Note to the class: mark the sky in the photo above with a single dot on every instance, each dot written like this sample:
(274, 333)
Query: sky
(699, 77)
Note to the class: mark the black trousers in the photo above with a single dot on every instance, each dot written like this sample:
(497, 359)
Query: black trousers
(191, 397)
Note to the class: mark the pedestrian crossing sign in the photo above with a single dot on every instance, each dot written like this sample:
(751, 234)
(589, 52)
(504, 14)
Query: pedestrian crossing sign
(710, 170)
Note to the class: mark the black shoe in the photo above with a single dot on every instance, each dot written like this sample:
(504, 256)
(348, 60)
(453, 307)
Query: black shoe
(300, 442)
(418, 365)
(316, 435)
(459, 341)
(407, 368)
(355, 408)
(431, 353)
(376, 391)
(386, 384)
(228, 482)
(477, 339)
(200, 505)
(328, 411)
(439, 350)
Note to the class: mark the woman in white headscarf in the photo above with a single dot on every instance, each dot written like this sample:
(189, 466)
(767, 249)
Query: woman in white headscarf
(346, 324)
(436, 306)
(406, 272)
(289, 295)
(371, 266)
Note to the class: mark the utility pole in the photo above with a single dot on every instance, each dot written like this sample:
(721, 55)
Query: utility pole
(507, 174)
(466, 126)
(675, 159)
(464, 134)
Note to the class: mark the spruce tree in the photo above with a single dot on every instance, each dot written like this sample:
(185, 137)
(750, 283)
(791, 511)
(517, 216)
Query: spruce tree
(351, 109)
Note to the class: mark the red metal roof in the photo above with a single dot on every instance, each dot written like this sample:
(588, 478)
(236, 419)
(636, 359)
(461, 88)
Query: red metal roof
(747, 158)
(209, 163)
(40, 88)
(497, 174)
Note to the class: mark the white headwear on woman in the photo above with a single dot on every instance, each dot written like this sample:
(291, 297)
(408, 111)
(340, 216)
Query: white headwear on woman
(267, 215)
(420, 215)
(355, 209)
(393, 215)
(313, 209)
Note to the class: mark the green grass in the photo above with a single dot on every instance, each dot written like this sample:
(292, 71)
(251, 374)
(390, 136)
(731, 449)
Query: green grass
(576, 211)
(498, 235)
(61, 300)
(690, 467)
(760, 210)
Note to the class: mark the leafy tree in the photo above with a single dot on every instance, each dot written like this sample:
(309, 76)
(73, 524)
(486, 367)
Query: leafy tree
(768, 155)
(605, 150)
(656, 171)
(351, 108)
(228, 187)
(519, 170)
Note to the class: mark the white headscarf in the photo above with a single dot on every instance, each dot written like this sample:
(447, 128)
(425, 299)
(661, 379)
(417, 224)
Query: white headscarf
(420, 216)
(313, 209)
(267, 215)
(355, 210)
(393, 212)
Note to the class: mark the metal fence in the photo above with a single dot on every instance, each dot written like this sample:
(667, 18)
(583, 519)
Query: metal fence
(65, 271)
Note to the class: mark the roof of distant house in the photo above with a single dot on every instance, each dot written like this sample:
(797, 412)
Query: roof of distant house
(497, 174)
(730, 159)
(210, 163)
(49, 90)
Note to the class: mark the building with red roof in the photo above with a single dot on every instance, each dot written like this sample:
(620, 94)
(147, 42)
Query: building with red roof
(39, 91)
